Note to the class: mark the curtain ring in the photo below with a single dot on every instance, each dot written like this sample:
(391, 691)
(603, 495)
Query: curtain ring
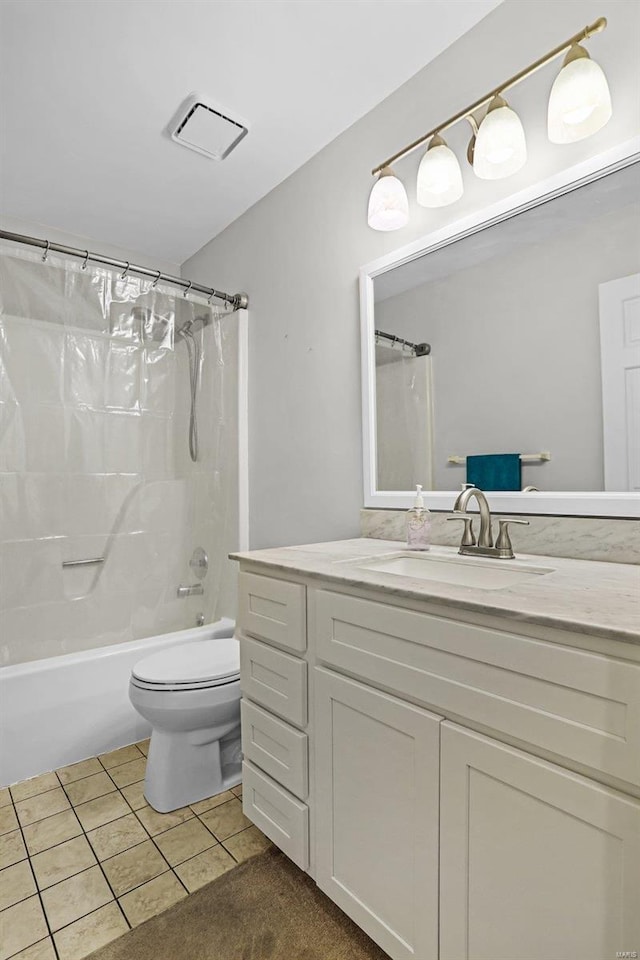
(188, 288)
(125, 271)
(86, 258)
(211, 297)
(46, 252)
(153, 285)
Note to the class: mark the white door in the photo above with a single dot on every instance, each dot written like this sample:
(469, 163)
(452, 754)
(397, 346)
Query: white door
(536, 862)
(377, 761)
(620, 358)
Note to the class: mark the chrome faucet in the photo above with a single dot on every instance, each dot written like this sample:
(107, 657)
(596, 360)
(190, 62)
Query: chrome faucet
(503, 549)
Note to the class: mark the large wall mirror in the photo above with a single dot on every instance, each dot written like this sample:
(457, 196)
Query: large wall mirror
(508, 354)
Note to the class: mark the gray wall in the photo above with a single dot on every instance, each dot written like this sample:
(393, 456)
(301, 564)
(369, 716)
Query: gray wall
(297, 253)
(516, 342)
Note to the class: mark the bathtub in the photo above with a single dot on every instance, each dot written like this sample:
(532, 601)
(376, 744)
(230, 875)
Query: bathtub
(57, 711)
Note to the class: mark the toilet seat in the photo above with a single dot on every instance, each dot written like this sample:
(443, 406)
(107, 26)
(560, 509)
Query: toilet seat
(190, 666)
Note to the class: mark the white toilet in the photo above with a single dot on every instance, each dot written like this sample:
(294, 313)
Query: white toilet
(190, 694)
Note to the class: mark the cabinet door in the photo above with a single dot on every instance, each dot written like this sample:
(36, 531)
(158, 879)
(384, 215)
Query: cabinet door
(536, 862)
(377, 761)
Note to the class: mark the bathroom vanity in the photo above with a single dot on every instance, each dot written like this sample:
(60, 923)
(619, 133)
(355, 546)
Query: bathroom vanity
(456, 764)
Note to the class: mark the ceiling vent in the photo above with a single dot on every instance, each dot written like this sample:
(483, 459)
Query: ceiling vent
(203, 126)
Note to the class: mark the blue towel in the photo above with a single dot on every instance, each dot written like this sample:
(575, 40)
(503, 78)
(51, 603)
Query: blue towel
(495, 471)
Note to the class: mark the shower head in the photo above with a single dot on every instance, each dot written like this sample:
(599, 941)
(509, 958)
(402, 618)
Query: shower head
(192, 325)
(190, 317)
(158, 328)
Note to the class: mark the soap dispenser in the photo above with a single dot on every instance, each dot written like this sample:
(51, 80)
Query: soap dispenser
(418, 524)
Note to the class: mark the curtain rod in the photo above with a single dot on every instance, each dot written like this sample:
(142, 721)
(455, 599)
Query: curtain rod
(239, 301)
(420, 349)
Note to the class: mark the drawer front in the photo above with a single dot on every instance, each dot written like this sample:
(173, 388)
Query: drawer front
(275, 747)
(273, 610)
(280, 816)
(275, 680)
(575, 703)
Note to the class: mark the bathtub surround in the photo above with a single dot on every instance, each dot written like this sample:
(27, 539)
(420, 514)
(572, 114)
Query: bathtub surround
(83, 858)
(94, 458)
(580, 538)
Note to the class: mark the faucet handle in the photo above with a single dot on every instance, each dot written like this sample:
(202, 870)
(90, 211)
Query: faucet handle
(504, 540)
(468, 537)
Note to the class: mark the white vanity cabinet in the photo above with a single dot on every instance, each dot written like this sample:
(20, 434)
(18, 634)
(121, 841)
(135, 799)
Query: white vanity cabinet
(535, 861)
(471, 790)
(377, 764)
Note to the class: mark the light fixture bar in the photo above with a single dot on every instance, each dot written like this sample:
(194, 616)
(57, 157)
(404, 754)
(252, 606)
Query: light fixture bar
(596, 27)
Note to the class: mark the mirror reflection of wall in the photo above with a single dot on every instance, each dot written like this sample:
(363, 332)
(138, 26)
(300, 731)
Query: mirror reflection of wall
(513, 317)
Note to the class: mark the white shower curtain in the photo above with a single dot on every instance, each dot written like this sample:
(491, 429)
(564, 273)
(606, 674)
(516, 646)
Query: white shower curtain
(404, 419)
(94, 457)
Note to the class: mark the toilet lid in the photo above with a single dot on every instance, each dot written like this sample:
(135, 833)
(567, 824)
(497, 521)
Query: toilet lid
(197, 662)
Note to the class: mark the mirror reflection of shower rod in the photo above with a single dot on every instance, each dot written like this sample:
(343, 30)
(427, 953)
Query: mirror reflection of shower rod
(238, 301)
(418, 349)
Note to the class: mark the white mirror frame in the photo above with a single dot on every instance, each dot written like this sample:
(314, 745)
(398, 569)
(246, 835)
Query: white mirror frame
(567, 503)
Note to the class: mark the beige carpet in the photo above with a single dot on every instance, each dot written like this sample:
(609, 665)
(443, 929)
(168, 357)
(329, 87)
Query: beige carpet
(265, 909)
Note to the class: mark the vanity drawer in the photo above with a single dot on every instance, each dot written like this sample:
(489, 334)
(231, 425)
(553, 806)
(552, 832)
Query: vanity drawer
(273, 610)
(277, 748)
(274, 679)
(575, 703)
(280, 816)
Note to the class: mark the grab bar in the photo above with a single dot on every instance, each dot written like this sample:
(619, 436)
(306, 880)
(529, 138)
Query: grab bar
(82, 563)
(196, 590)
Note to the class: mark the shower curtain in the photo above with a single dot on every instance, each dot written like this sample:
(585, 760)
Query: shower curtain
(404, 419)
(94, 457)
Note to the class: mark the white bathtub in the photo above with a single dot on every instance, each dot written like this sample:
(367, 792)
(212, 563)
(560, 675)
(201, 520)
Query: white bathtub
(64, 709)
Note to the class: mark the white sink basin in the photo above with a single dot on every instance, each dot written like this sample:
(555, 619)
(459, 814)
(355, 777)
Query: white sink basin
(479, 572)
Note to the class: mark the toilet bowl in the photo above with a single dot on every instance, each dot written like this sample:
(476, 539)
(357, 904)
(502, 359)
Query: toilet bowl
(190, 694)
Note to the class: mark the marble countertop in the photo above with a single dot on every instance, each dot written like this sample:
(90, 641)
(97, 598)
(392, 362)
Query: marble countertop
(583, 596)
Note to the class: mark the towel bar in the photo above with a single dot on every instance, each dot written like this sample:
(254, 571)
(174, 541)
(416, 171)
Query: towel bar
(524, 457)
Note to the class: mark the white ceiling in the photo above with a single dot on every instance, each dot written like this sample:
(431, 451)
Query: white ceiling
(88, 88)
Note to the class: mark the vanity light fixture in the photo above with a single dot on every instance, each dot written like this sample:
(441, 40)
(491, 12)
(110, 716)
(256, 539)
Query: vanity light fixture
(579, 105)
(439, 175)
(388, 202)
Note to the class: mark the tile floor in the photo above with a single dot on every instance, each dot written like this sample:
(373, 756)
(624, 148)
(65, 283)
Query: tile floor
(83, 857)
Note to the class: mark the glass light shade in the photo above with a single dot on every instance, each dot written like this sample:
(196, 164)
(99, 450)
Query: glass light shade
(500, 148)
(388, 203)
(439, 176)
(580, 102)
